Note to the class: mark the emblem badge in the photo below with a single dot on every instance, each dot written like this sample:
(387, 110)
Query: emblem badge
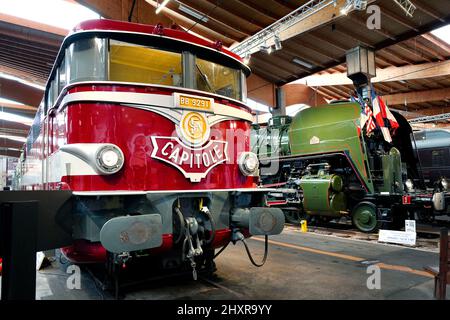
(194, 128)
(190, 152)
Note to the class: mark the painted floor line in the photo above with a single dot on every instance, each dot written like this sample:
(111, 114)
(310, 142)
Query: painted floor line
(433, 250)
(348, 257)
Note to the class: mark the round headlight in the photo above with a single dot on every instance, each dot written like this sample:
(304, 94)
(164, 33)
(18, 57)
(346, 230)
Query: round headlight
(248, 163)
(409, 185)
(109, 159)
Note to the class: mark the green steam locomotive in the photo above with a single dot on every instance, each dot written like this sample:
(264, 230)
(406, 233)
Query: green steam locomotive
(324, 166)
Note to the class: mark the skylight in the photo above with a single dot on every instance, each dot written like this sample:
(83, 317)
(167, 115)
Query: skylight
(3, 100)
(15, 118)
(15, 138)
(443, 33)
(257, 106)
(59, 13)
(28, 83)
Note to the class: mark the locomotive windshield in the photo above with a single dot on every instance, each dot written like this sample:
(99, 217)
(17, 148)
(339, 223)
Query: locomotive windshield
(135, 63)
(103, 59)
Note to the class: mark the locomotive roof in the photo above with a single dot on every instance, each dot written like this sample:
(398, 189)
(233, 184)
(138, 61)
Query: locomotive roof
(127, 30)
(122, 26)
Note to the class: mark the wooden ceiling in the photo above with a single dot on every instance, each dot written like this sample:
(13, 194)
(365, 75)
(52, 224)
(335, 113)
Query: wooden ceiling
(28, 49)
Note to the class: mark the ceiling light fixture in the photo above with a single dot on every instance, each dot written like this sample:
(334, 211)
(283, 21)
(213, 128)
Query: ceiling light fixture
(277, 42)
(267, 49)
(346, 9)
(193, 13)
(303, 63)
(161, 6)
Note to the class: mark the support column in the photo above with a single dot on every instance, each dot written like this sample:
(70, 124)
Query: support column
(18, 230)
(280, 102)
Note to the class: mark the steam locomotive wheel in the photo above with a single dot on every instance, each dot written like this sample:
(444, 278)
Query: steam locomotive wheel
(364, 217)
(292, 215)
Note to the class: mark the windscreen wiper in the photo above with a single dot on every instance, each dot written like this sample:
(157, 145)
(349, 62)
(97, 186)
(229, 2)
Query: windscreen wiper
(205, 79)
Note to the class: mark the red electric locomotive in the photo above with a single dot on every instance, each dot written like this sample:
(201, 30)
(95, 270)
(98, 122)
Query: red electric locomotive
(148, 127)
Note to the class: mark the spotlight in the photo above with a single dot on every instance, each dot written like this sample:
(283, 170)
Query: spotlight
(277, 41)
(161, 6)
(348, 6)
(360, 4)
(267, 49)
(247, 58)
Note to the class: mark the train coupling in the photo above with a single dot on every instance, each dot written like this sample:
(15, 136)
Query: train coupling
(259, 220)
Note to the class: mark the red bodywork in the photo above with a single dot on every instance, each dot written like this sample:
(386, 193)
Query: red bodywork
(130, 129)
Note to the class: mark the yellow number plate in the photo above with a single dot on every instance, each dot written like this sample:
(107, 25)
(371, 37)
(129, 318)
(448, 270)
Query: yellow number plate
(185, 101)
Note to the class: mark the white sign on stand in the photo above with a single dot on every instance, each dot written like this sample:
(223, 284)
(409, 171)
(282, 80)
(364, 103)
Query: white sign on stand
(410, 226)
(407, 237)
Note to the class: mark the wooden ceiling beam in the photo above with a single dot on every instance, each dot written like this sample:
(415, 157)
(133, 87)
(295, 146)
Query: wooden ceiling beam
(429, 11)
(418, 96)
(213, 23)
(218, 14)
(325, 16)
(23, 73)
(193, 25)
(323, 93)
(398, 19)
(325, 40)
(338, 92)
(27, 47)
(379, 56)
(420, 71)
(286, 4)
(398, 56)
(380, 31)
(29, 24)
(292, 50)
(426, 49)
(15, 106)
(34, 76)
(270, 63)
(20, 92)
(258, 9)
(265, 74)
(321, 52)
(436, 41)
(240, 15)
(327, 92)
(412, 51)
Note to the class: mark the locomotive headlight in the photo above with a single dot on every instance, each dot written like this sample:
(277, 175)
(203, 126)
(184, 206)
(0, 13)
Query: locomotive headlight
(109, 159)
(249, 164)
(409, 185)
(444, 184)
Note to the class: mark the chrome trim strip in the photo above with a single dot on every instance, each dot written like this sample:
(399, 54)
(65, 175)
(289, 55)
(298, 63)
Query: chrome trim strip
(147, 100)
(124, 192)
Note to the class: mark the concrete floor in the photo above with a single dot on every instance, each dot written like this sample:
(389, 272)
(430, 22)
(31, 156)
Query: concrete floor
(300, 266)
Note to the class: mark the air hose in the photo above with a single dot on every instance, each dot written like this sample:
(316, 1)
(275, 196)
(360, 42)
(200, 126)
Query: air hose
(221, 250)
(213, 227)
(241, 238)
(266, 250)
(237, 236)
